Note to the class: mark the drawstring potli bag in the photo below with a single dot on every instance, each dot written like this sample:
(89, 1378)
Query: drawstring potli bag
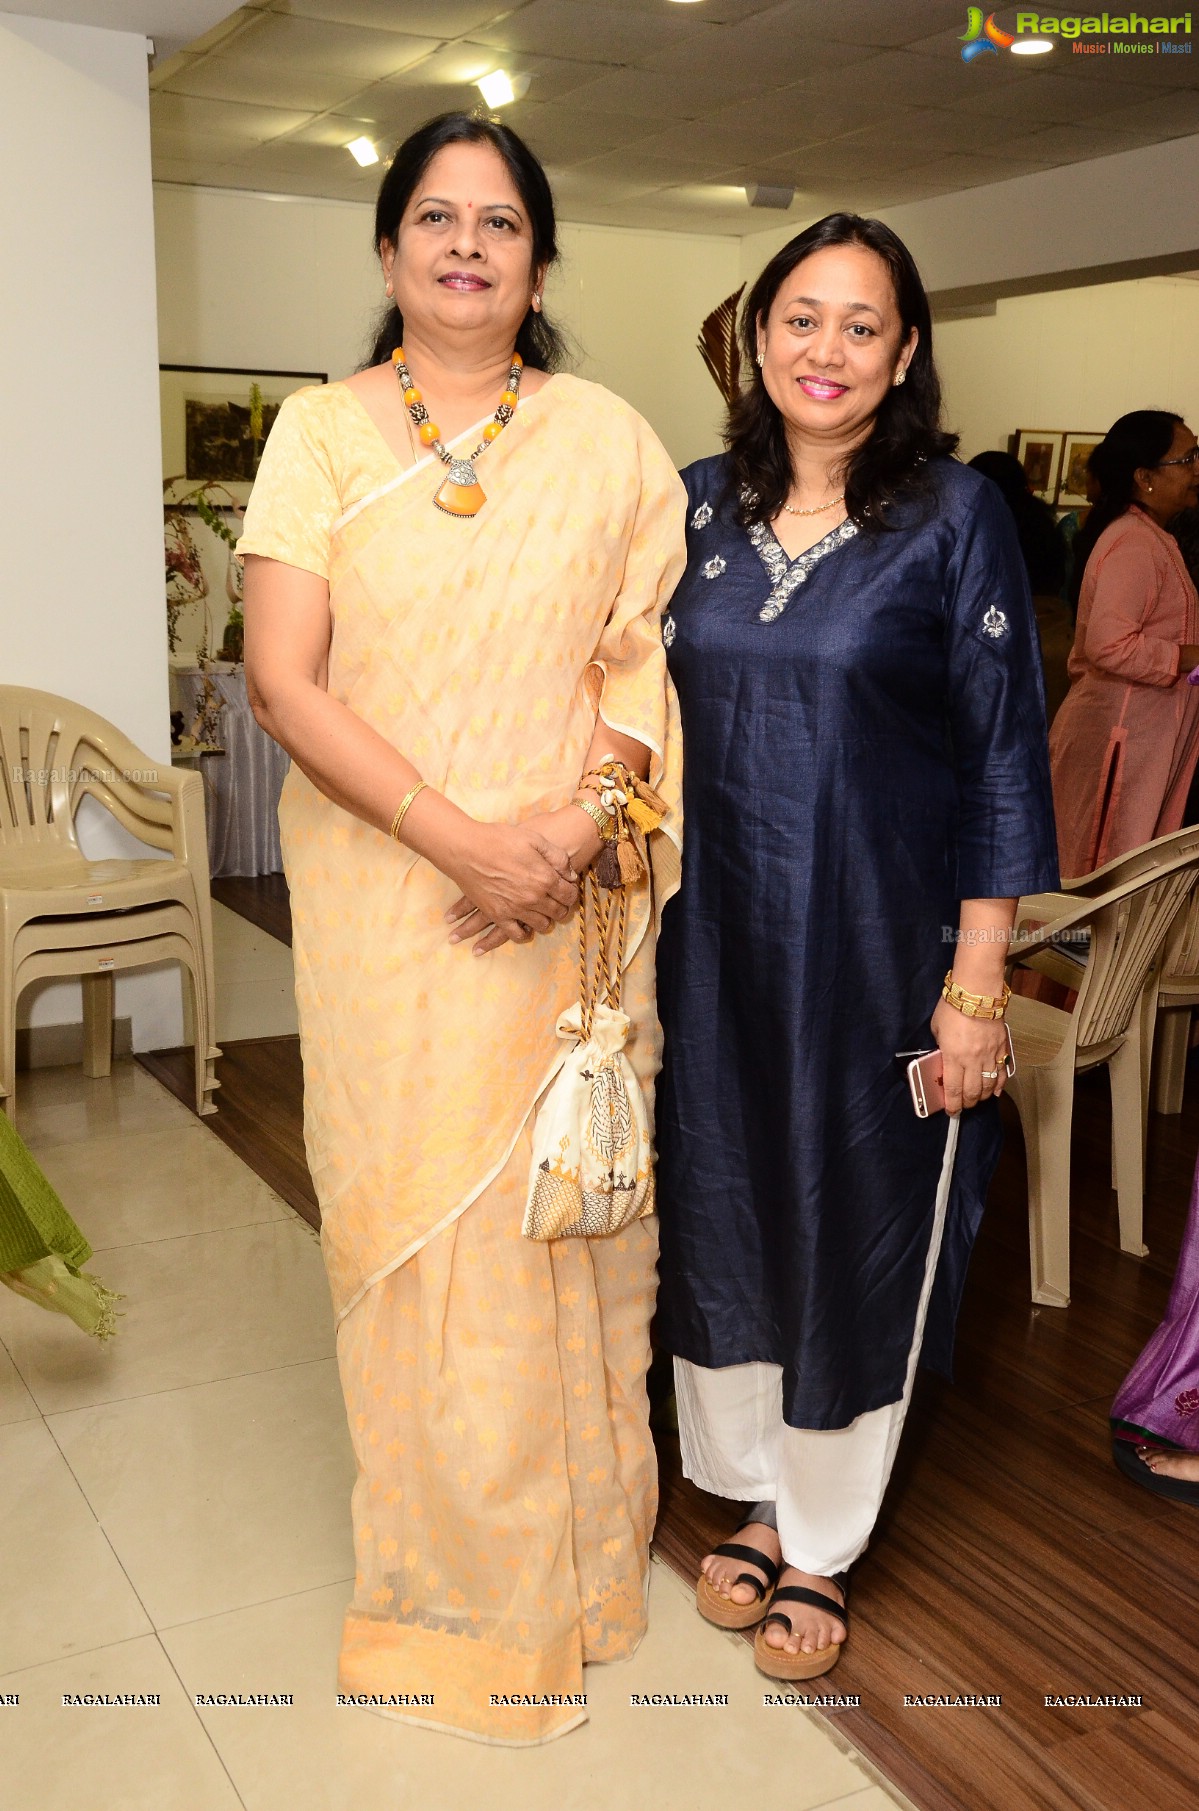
(592, 1169)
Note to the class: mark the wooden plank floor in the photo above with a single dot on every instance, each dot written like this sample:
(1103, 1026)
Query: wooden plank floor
(1011, 1557)
(262, 898)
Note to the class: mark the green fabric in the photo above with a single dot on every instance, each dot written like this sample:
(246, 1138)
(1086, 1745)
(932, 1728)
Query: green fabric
(42, 1250)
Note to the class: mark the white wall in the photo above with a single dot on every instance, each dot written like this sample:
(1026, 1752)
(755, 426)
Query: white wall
(1073, 359)
(286, 283)
(1136, 206)
(81, 574)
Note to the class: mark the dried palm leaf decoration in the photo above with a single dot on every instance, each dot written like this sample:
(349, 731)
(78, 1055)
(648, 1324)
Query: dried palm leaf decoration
(719, 349)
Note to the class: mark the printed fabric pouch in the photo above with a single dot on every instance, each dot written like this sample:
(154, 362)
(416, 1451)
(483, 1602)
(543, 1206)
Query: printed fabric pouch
(592, 1169)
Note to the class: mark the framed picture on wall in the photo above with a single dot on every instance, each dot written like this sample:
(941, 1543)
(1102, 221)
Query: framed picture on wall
(1039, 451)
(215, 423)
(1072, 492)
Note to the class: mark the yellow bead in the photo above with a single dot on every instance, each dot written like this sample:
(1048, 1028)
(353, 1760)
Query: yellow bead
(411, 396)
(397, 357)
(508, 399)
(518, 361)
(493, 430)
(429, 432)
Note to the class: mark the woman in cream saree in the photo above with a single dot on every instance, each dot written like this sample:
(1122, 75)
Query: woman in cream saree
(495, 1385)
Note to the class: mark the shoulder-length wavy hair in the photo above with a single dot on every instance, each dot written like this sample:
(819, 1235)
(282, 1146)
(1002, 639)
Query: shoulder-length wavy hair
(889, 465)
(539, 342)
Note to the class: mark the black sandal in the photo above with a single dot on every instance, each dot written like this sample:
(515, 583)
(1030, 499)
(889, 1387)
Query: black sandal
(777, 1663)
(722, 1610)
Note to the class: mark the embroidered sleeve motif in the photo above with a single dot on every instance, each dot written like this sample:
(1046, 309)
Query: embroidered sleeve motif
(995, 623)
(702, 516)
(713, 568)
(669, 631)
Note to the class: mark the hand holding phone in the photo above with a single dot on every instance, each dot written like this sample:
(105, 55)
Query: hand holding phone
(925, 1080)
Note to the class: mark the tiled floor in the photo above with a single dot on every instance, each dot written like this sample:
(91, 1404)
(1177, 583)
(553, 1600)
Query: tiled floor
(175, 1510)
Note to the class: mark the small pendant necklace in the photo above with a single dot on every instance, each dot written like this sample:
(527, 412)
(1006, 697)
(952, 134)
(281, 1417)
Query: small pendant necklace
(461, 494)
(819, 510)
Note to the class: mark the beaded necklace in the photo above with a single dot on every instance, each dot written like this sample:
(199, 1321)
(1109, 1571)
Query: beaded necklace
(461, 494)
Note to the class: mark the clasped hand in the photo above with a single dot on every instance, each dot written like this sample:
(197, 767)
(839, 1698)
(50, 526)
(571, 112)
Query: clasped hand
(518, 879)
(970, 1050)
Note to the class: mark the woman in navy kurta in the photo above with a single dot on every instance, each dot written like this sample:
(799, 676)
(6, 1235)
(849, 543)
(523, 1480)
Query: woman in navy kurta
(864, 750)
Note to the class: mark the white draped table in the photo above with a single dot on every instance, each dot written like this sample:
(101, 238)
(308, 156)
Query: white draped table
(242, 786)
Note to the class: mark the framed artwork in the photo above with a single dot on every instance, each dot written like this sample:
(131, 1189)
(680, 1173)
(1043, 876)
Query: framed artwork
(1072, 491)
(215, 423)
(1039, 451)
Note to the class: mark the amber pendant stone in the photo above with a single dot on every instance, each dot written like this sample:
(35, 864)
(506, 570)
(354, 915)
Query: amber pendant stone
(461, 494)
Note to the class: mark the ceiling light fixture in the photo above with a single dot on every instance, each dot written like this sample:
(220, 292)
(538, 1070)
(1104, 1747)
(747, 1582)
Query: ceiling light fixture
(363, 151)
(768, 195)
(497, 88)
(1031, 47)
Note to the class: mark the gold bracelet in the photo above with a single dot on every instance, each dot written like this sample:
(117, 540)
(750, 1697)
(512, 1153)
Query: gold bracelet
(596, 813)
(405, 804)
(975, 1006)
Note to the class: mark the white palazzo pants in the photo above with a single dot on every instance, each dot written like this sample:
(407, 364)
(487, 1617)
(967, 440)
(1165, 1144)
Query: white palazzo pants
(827, 1486)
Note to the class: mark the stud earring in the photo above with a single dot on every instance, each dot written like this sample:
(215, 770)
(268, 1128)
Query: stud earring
(901, 375)
(760, 357)
(536, 303)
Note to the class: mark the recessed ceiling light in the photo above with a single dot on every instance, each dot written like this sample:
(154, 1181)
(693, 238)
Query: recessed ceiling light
(497, 89)
(1031, 47)
(363, 151)
(768, 195)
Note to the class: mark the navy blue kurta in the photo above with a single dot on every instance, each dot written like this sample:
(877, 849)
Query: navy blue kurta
(864, 747)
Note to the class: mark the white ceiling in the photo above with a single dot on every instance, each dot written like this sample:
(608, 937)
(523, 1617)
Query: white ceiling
(650, 113)
(171, 23)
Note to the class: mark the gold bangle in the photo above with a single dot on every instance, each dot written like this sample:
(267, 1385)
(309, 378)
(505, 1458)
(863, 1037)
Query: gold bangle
(974, 1006)
(596, 813)
(405, 804)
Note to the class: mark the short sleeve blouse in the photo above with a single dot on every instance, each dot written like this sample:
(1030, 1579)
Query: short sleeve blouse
(323, 454)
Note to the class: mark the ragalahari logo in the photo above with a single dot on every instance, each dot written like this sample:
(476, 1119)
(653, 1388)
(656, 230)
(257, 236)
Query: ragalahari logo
(982, 36)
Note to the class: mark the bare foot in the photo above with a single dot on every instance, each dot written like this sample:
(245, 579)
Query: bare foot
(1171, 1465)
(721, 1571)
(810, 1628)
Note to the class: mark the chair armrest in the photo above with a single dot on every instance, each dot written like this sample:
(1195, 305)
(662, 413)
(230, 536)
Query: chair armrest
(175, 823)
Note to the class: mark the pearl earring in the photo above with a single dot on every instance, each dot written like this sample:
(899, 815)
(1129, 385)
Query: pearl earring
(536, 303)
(390, 290)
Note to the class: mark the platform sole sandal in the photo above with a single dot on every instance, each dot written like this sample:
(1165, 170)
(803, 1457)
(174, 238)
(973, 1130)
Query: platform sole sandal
(1177, 1490)
(726, 1614)
(777, 1663)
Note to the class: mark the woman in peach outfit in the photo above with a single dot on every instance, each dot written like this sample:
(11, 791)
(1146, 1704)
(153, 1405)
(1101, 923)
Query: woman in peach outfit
(495, 1385)
(1124, 744)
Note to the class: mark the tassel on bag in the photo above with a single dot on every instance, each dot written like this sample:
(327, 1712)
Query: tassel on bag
(592, 1171)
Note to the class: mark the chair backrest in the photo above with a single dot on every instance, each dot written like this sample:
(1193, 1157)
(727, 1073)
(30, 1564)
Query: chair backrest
(1128, 925)
(1181, 960)
(1127, 939)
(53, 752)
(1130, 866)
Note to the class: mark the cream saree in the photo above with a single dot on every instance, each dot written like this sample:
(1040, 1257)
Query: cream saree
(495, 1386)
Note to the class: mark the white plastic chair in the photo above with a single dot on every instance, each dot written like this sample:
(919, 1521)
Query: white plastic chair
(1111, 1023)
(61, 912)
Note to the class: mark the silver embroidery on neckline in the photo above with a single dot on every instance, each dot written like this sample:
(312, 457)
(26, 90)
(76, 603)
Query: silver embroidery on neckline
(702, 516)
(787, 575)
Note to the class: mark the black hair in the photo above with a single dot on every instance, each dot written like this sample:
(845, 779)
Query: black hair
(1041, 540)
(889, 465)
(1141, 438)
(539, 342)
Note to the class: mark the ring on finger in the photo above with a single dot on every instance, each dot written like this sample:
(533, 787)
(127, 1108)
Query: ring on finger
(990, 1075)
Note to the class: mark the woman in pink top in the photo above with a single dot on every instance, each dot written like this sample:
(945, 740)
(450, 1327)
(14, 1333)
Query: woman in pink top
(1125, 742)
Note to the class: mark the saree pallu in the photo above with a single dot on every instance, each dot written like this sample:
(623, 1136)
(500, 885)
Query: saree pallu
(495, 1387)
